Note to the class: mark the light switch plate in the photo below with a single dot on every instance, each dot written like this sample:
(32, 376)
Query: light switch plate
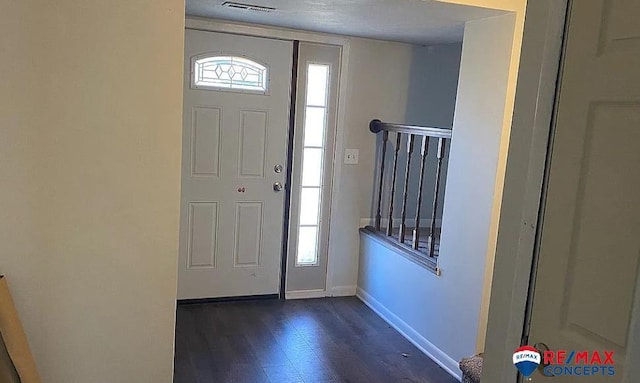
(351, 156)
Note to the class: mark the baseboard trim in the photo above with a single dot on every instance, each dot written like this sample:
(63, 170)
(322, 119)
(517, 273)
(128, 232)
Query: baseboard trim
(343, 291)
(200, 301)
(337, 291)
(433, 352)
(305, 294)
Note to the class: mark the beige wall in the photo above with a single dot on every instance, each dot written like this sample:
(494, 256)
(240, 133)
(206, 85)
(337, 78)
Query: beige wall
(90, 158)
(21, 258)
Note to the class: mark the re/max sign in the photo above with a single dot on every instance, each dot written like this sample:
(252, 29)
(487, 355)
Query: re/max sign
(578, 357)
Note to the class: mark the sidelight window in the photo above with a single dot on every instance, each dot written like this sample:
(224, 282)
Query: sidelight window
(314, 132)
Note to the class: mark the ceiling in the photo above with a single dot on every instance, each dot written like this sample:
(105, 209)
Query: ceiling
(410, 21)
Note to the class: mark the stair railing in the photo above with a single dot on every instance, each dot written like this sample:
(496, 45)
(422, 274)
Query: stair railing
(417, 136)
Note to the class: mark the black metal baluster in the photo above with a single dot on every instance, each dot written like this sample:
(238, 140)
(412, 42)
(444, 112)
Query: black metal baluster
(432, 237)
(385, 138)
(424, 152)
(393, 184)
(406, 188)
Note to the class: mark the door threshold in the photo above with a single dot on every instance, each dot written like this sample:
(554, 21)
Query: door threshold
(244, 298)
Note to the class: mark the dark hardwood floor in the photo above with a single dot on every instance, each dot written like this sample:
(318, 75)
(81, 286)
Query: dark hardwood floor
(312, 341)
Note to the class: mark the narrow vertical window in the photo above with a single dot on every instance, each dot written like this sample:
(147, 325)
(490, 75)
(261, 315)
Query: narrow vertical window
(314, 132)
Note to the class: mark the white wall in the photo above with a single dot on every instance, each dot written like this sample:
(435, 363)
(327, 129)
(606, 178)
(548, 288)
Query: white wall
(378, 86)
(424, 307)
(90, 110)
(413, 84)
(447, 310)
(528, 142)
(475, 156)
(518, 9)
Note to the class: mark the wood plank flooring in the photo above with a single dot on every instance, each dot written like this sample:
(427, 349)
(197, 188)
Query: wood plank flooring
(333, 340)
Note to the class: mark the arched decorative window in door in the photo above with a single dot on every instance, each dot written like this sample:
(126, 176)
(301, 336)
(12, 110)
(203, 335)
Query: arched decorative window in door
(229, 72)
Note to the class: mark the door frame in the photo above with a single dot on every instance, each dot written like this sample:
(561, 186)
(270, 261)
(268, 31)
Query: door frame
(538, 78)
(222, 26)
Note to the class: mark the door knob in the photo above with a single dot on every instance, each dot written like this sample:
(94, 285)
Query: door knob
(542, 347)
(277, 186)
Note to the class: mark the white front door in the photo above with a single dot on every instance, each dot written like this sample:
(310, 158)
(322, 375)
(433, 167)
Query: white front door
(236, 119)
(586, 296)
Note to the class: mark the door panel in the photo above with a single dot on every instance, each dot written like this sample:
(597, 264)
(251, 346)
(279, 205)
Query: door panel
(248, 234)
(203, 228)
(231, 217)
(205, 138)
(620, 30)
(589, 257)
(253, 144)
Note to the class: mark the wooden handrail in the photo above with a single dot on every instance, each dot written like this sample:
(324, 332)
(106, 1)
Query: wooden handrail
(376, 126)
(421, 135)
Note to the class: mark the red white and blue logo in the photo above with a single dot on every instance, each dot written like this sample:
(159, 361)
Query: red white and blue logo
(526, 359)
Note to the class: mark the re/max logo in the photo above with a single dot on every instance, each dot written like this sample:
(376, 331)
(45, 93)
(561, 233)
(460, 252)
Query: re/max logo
(582, 357)
(578, 363)
(530, 356)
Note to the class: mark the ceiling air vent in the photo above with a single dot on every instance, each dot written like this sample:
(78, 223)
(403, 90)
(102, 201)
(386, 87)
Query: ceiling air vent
(247, 7)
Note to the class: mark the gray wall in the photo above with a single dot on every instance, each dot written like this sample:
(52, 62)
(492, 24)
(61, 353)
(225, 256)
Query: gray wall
(433, 85)
(431, 99)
